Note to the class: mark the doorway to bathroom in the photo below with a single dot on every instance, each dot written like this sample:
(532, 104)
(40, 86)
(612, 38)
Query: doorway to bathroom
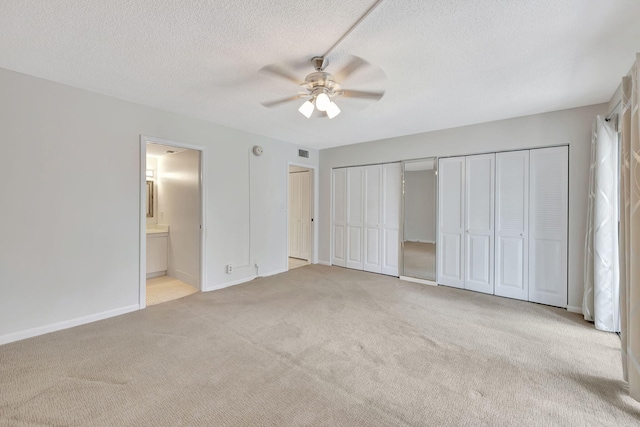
(300, 221)
(171, 225)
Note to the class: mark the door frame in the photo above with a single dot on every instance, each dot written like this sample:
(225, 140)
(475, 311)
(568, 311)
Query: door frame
(144, 139)
(315, 188)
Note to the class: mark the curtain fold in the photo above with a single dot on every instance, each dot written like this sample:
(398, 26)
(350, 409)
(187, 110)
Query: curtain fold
(630, 230)
(601, 301)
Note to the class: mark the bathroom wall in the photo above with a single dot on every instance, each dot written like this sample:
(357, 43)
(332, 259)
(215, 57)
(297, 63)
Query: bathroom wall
(179, 208)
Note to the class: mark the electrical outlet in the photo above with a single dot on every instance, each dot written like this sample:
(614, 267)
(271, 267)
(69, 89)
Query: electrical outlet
(229, 268)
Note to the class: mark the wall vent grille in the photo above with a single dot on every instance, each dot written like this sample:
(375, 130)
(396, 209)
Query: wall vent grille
(303, 153)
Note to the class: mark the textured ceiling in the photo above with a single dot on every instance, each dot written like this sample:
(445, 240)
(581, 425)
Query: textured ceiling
(443, 63)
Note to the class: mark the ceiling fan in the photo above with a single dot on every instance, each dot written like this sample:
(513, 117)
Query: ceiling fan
(321, 89)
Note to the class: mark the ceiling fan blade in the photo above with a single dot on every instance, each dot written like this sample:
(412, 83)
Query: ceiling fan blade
(350, 68)
(272, 69)
(282, 101)
(360, 94)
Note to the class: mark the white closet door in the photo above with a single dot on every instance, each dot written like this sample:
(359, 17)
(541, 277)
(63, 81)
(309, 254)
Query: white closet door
(339, 217)
(372, 214)
(305, 215)
(355, 212)
(294, 215)
(548, 198)
(391, 191)
(450, 253)
(479, 223)
(512, 225)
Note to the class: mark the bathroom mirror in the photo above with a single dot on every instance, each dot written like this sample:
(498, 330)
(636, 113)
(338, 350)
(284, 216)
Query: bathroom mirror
(419, 198)
(149, 199)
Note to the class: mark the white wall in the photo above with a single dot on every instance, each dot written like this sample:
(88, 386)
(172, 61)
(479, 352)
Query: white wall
(83, 262)
(179, 208)
(572, 127)
(420, 206)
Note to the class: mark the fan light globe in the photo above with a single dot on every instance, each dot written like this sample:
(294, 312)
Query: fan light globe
(322, 102)
(333, 110)
(306, 109)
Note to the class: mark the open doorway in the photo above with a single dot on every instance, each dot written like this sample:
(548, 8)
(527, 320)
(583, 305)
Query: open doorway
(171, 233)
(300, 226)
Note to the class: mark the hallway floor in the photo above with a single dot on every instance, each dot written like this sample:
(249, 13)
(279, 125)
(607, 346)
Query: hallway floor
(296, 262)
(165, 288)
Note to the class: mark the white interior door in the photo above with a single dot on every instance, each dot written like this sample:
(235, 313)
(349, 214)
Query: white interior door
(305, 215)
(391, 199)
(372, 218)
(450, 253)
(339, 217)
(479, 212)
(355, 177)
(512, 225)
(299, 215)
(294, 215)
(548, 198)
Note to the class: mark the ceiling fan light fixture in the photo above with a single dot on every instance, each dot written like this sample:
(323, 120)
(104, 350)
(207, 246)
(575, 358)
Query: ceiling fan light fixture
(332, 110)
(306, 109)
(322, 101)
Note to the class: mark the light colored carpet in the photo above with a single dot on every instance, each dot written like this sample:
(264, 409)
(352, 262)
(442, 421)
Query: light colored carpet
(296, 262)
(165, 288)
(322, 346)
(419, 260)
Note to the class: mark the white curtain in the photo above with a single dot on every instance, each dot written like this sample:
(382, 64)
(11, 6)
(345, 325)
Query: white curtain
(601, 302)
(630, 230)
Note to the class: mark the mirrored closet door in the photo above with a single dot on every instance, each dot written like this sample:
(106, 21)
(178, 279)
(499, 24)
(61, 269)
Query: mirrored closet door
(419, 219)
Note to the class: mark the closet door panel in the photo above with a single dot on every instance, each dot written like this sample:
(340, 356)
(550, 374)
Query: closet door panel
(451, 200)
(391, 196)
(355, 213)
(294, 215)
(512, 224)
(339, 217)
(548, 198)
(479, 222)
(372, 218)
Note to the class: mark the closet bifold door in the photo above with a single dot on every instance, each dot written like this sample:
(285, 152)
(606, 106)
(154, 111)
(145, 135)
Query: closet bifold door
(372, 218)
(450, 253)
(391, 191)
(479, 223)
(339, 217)
(548, 218)
(512, 225)
(355, 227)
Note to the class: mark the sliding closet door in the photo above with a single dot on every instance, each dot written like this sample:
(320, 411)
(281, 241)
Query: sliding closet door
(451, 184)
(355, 242)
(479, 222)
(391, 196)
(339, 217)
(372, 214)
(512, 225)
(548, 198)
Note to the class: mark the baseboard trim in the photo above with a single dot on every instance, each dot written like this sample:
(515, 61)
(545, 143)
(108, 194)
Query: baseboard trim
(321, 262)
(41, 330)
(573, 309)
(273, 273)
(421, 281)
(185, 277)
(156, 274)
